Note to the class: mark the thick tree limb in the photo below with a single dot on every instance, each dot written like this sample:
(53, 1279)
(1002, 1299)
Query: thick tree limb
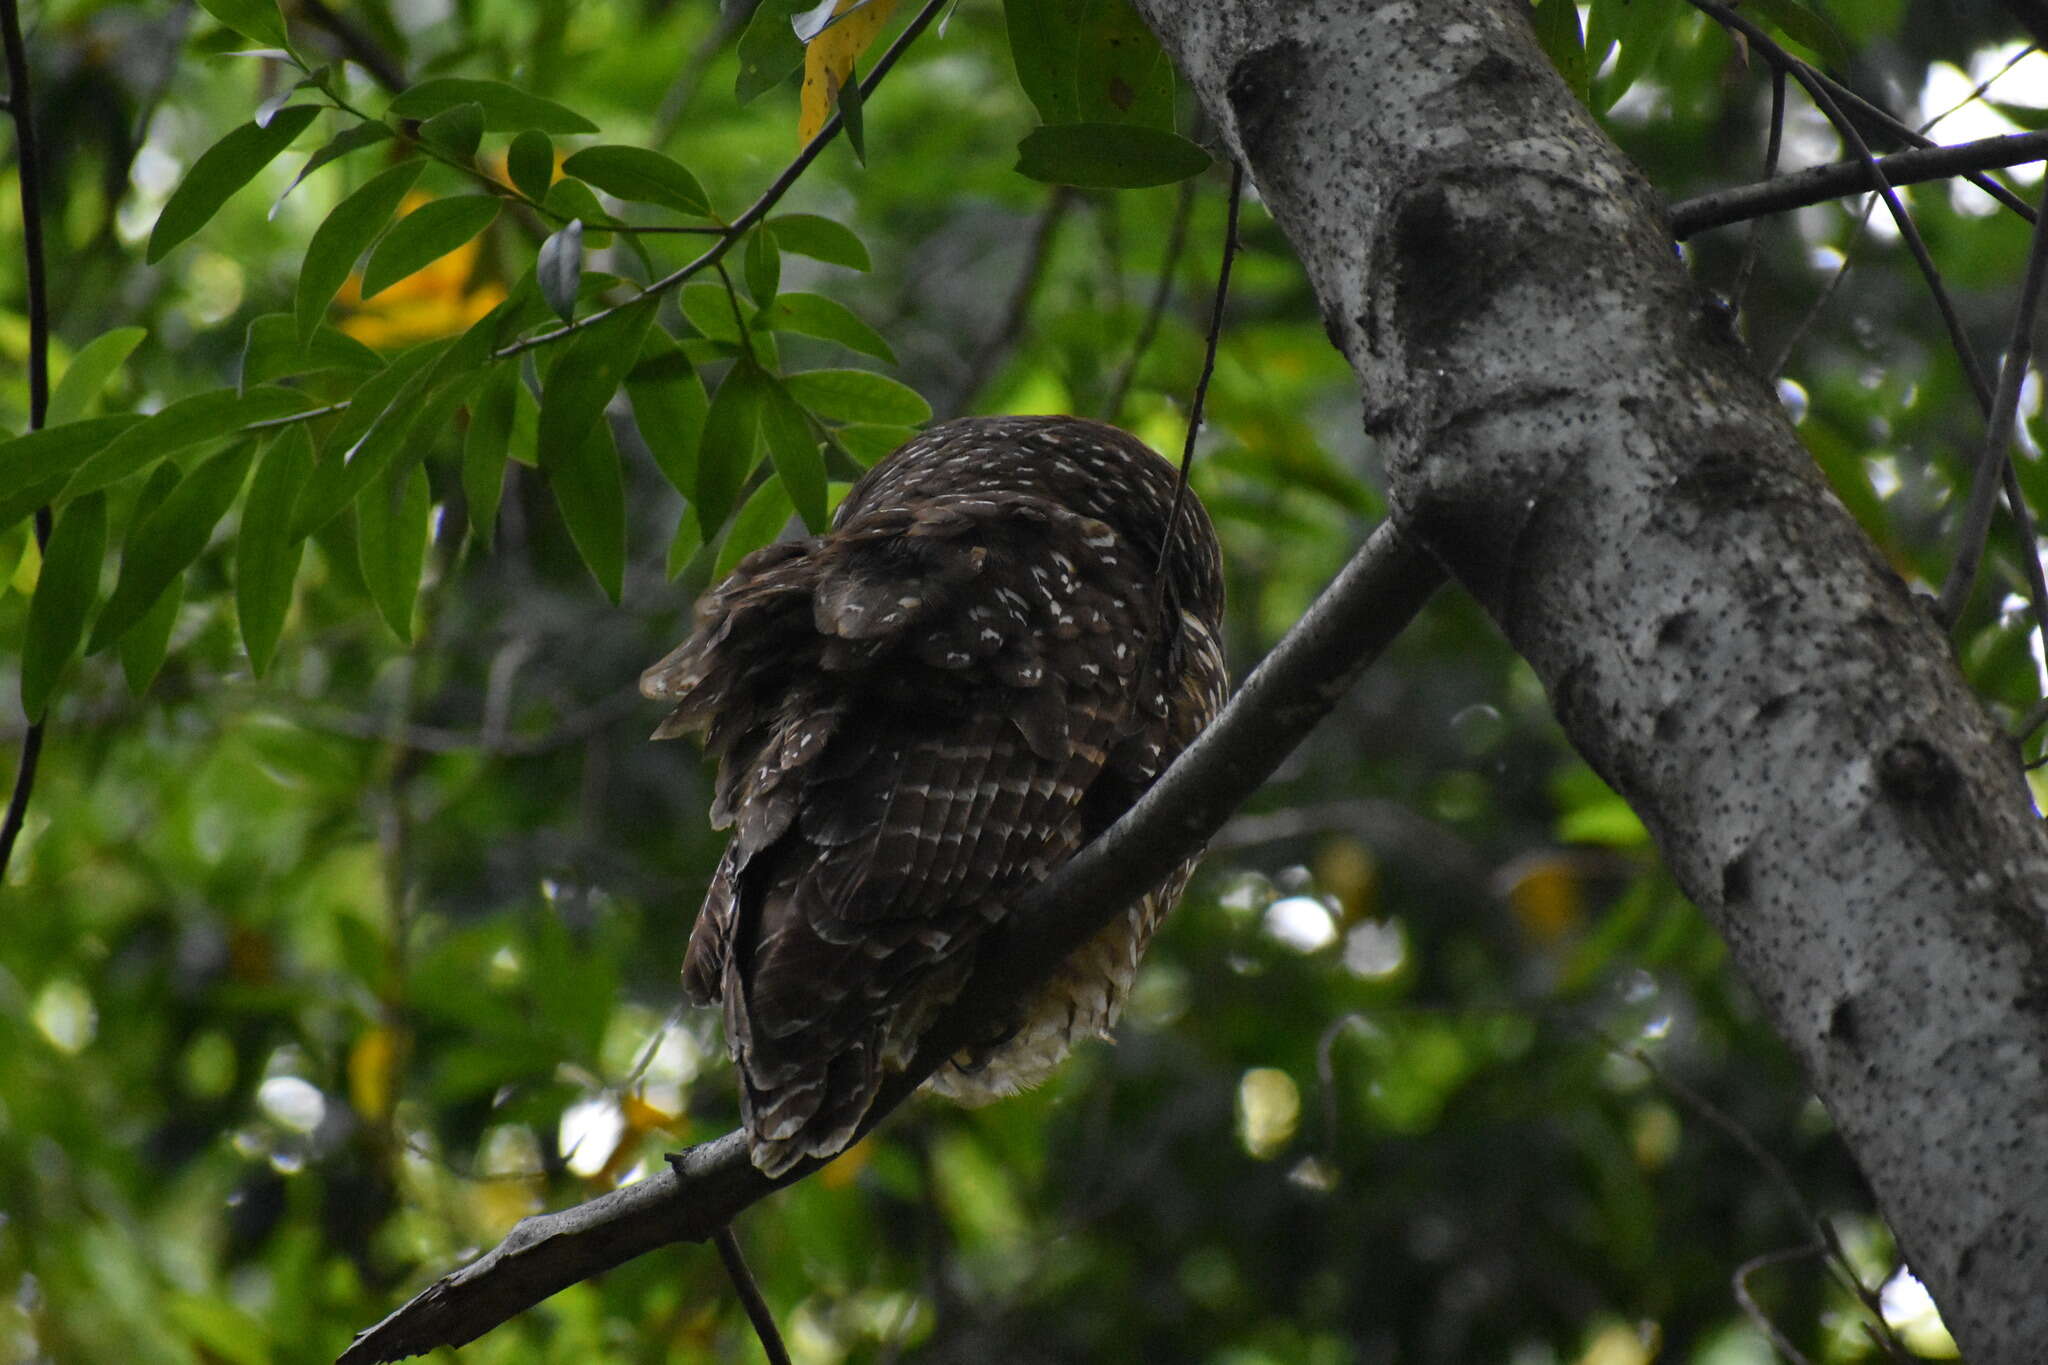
(1306, 674)
(1595, 457)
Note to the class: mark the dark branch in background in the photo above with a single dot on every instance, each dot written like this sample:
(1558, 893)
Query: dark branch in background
(1752, 245)
(681, 90)
(1984, 482)
(1009, 328)
(1839, 179)
(1304, 676)
(1823, 93)
(1740, 1285)
(28, 168)
(1162, 291)
(750, 1297)
(356, 44)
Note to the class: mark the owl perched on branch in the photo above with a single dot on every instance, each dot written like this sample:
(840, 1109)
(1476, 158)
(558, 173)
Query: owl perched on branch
(916, 717)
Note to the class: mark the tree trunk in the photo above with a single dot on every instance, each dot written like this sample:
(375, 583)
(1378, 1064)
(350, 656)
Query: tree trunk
(1590, 452)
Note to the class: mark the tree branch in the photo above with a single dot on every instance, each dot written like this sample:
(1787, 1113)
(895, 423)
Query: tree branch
(1841, 178)
(28, 168)
(1303, 677)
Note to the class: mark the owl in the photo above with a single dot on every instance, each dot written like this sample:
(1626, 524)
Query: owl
(917, 716)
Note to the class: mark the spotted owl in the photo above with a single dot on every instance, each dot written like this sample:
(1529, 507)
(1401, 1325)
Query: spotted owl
(918, 716)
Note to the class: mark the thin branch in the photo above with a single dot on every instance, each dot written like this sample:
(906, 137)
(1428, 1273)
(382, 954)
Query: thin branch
(1017, 312)
(1740, 1284)
(1838, 179)
(758, 1312)
(1187, 450)
(728, 237)
(1753, 244)
(1824, 92)
(1996, 455)
(1304, 676)
(28, 166)
(1817, 1227)
(1162, 291)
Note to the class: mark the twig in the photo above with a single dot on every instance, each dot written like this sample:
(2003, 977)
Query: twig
(1984, 481)
(1819, 1228)
(1011, 325)
(758, 1312)
(1162, 290)
(1837, 179)
(1304, 676)
(728, 237)
(1187, 450)
(1740, 1284)
(28, 166)
(1753, 244)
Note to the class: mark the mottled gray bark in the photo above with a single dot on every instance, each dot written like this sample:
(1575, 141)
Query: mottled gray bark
(1592, 455)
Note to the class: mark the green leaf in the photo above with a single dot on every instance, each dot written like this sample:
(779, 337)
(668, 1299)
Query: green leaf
(166, 542)
(424, 236)
(272, 349)
(380, 417)
(866, 445)
(65, 591)
(799, 463)
(34, 459)
(571, 198)
(708, 308)
(180, 426)
(1638, 28)
(641, 176)
(769, 50)
(256, 20)
(1111, 156)
(1044, 35)
(684, 545)
(821, 239)
(350, 139)
(669, 407)
(266, 552)
(531, 162)
(730, 447)
(484, 449)
(505, 108)
(143, 647)
(759, 522)
(590, 490)
(1558, 32)
(457, 130)
(859, 396)
(1120, 73)
(586, 377)
(1806, 25)
(391, 542)
(89, 372)
(762, 267)
(343, 236)
(558, 269)
(814, 315)
(576, 451)
(222, 169)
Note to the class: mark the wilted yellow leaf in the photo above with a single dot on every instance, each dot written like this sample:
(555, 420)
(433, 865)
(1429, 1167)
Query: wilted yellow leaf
(829, 58)
(1545, 895)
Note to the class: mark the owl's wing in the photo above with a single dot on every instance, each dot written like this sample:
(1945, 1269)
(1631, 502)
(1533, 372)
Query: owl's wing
(909, 718)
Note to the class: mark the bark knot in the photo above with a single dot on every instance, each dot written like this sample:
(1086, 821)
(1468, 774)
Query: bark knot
(1914, 771)
(1262, 86)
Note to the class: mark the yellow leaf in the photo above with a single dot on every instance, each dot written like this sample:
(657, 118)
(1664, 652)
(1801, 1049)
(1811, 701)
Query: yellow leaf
(372, 1072)
(829, 58)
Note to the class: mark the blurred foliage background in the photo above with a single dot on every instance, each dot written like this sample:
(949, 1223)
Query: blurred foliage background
(311, 985)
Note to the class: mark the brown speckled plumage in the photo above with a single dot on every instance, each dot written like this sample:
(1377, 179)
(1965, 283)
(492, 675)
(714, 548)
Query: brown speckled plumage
(916, 716)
